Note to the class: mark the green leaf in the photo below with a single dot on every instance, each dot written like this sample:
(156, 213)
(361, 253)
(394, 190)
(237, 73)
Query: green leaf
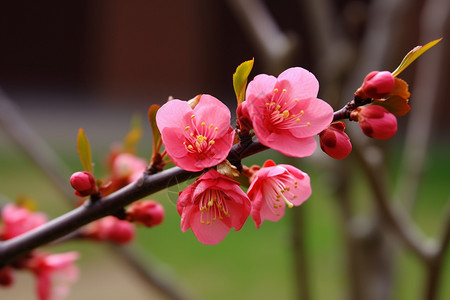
(413, 55)
(84, 151)
(155, 130)
(133, 136)
(240, 78)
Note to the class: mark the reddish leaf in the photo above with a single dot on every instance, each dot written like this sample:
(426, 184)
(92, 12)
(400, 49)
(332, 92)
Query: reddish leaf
(395, 104)
(155, 131)
(400, 89)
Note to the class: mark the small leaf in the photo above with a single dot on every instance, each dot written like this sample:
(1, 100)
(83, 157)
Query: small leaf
(84, 151)
(155, 130)
(240, 78)
(413, 55)
(395, 104)
(133, 136)
(400, 89)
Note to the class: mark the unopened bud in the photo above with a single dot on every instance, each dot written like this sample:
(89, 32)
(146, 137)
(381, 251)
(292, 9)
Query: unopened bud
(83, 183)
(110, 229)
(375, 121)
(243, 119)
(377, 85)
(149, 213)
(335, 142)
(6, 276)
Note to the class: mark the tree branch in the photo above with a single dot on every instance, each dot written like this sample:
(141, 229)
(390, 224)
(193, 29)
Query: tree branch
(90, 211)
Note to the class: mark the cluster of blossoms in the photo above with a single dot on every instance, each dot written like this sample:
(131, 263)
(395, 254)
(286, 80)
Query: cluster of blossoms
(284, 114)
(54, 272)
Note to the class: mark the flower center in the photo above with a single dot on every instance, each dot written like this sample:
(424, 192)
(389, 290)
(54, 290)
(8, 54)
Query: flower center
(213, 206)
(279, 189)
(199, 137)
(283, 113)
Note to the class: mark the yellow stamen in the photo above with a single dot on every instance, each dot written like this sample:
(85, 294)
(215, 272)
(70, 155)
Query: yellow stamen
(187, 128)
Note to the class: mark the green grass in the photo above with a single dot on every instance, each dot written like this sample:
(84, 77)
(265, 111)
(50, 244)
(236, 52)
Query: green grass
(258, 264)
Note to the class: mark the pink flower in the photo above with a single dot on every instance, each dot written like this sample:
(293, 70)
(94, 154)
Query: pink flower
(55, 274)
(128, 166)
(285, 111)
(18, 220)
(275, 186)
(335, 142)
(375, 121)
(196, 138)
(110, 229)
(211, 206)
(149, 213)
(83, 183)
(377, 85)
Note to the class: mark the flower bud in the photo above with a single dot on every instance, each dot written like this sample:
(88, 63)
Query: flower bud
(377, 85)
(149, 213)
(83, 183)
(243, 119)
(375, 121)
(6, 276)
(110, 229)
(335, 142)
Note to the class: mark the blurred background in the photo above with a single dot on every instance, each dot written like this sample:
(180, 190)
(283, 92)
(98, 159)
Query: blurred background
(96, 64)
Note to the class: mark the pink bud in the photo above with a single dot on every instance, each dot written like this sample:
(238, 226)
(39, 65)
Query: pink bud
(335, 142)
(378, 84)
(375, 121)
(110, 229)
(243, 118)
(83, 183)
(6, 276)
(149, 213)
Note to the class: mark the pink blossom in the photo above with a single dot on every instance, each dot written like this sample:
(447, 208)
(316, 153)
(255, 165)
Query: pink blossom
(55, 274)
(286, 112)
(149, 213)
(211, 206)
(83, 183)
(196, 138)
(128, 166)
(18, 220)
(375, 121)
(377, 85)
(275, 186)
(335, 142)
(110, 229)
